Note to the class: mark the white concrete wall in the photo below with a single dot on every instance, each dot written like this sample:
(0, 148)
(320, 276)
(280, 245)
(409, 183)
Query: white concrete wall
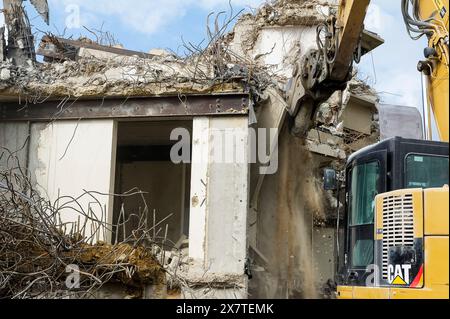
(219, 203)
(199, 176)
(284, 46)
(14, 139)
(68, 157)
(279, 47)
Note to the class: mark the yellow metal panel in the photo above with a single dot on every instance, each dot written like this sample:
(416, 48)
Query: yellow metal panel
(418, 212)
(428, 7)
(436, 261)
(379, 216)
(438, 95)
(409, 293)
(436, 211)
(351, 17)
(370, 293)
(344, 292)
(435, 272)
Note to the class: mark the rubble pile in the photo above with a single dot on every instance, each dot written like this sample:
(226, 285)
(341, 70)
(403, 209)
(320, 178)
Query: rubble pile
(213, 69)
(90, 77)
(38, 254)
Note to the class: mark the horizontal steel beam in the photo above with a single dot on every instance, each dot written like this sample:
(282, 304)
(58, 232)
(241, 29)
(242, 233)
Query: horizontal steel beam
(136, 107)
(60, 45)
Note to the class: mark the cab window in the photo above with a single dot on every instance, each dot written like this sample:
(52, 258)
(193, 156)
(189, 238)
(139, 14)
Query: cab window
(364, 186)
(426, 171)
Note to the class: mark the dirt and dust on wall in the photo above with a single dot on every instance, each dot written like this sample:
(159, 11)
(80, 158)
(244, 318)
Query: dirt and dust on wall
(293, 238)
(293, 223)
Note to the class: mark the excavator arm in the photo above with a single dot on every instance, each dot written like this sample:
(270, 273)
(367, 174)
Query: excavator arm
(350, 26)
(341, 39)
(430, 18)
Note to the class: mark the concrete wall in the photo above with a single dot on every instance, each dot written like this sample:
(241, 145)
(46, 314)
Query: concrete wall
(68, 157)
(218, 212)
(324, 242)
(282, 47)
(277, 47)
(14, 138)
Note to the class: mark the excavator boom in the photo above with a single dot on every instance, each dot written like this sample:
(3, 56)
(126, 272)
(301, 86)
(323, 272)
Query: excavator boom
(341, 41)
(431, 18)
(322, 71)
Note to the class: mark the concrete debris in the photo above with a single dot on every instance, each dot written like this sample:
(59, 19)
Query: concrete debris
(122, 76)
(41, 7)
(286, 14)
(293, 12)
(336, 134)
(160, 52)
(96, 74)
(5, 74)
(3, 51)
(39, 255)
(20, 48)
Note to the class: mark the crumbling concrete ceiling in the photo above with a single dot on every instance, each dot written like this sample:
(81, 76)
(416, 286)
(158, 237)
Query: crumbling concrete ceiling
(294, 12)
(120, 76)
(215, 68)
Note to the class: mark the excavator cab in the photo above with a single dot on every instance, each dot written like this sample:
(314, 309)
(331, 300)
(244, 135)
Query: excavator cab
(384, 237)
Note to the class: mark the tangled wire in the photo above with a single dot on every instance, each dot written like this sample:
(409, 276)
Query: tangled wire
(43, 257)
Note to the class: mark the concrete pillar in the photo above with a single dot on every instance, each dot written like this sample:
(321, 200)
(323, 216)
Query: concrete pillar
(219, 206)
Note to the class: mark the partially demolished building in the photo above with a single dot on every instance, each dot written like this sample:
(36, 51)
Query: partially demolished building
(91, 130)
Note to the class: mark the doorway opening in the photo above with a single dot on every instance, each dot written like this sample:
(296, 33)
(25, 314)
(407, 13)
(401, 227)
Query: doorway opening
(151, 187)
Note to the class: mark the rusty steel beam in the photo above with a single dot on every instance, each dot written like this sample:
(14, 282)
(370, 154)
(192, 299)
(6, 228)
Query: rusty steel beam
(60, 48)
(128, 108)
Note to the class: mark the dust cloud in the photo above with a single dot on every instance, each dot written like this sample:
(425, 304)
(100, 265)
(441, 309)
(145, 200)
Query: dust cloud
(300, 200)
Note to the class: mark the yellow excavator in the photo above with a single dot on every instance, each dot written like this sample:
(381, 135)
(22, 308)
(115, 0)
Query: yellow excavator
(396, 242)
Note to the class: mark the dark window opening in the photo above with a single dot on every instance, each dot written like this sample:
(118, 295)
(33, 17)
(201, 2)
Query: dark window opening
(144, 164)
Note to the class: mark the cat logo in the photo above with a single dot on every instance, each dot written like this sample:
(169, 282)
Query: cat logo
(399, 275)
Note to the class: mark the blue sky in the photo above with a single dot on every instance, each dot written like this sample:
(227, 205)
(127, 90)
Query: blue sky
(146, 24)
